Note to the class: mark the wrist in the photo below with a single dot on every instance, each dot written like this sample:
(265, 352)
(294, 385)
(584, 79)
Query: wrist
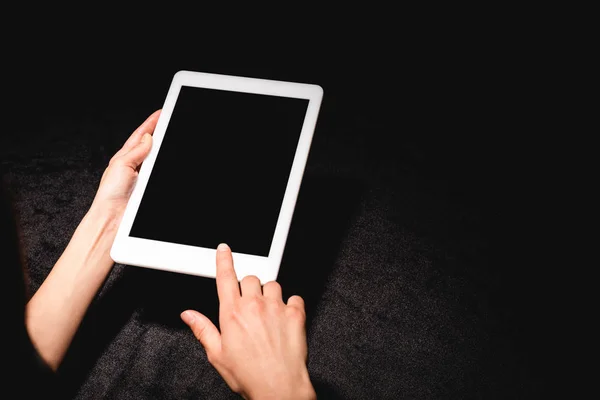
(106, 212)
(306, 392)
(298, 389)
(57, 308)
(305, 389)
(296, 393)
(106, 215)
(97, 231)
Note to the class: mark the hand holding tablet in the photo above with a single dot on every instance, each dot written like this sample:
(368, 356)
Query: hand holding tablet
(226, 164)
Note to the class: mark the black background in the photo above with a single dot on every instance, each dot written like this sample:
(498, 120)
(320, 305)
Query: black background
(443, 100)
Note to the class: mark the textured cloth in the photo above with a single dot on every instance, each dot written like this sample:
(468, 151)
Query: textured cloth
(391, 246)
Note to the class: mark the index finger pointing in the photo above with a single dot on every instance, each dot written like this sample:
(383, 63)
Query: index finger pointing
(227, 282)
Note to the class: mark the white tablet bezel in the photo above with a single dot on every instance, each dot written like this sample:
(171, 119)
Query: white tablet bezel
(197, 260)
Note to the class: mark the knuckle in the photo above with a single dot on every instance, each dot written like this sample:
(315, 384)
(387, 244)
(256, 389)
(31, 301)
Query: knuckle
(117, 163)
(273, 306)
(235, 387)
(250, 279)
(297, 300)
(254, 304)
(199, 328)
(198, 331)
(296, 313)
(210, 356)
(114, 159)
(272, 285)
(232, 316)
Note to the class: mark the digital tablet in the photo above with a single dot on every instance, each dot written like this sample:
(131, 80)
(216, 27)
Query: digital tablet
(226, 165)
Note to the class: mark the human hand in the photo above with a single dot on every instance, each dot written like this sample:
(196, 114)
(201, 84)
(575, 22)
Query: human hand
(261, 351)
(118, 179)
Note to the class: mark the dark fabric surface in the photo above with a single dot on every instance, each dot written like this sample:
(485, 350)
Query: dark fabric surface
(395, 242)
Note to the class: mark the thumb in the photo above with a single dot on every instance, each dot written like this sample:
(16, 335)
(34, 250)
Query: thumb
(138, 153)
(205, 331)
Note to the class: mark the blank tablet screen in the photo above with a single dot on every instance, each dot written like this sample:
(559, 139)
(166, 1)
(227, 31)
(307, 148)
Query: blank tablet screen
(222, 170)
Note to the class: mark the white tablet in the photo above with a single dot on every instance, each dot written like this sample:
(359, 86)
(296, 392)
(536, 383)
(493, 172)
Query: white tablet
(226, 165)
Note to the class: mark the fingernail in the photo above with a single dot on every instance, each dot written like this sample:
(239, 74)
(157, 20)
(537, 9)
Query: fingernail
(146, 137)
(187, 317)
(222, 247)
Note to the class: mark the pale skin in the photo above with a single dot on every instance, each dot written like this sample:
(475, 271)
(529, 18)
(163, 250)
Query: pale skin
(56, 310)
(261, 351)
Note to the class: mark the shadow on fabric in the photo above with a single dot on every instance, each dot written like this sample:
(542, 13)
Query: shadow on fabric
(323, 210)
